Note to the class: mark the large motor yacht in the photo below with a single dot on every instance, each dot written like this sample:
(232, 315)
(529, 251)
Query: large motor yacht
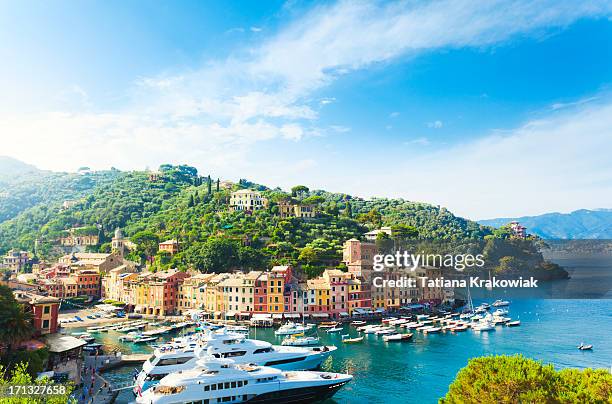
(222, 381)
(221, 344)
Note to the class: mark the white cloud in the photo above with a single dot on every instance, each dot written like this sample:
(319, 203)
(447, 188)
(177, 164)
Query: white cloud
(420, 141)
(327, 100)
(435, 124)
(394, 114)
(256, 29)
(559, 162)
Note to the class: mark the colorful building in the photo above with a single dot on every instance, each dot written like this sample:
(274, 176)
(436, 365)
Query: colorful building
(44, 311)
(260, 294)
(247, 200)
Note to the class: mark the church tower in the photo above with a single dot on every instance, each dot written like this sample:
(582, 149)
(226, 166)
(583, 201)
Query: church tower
(117, 244)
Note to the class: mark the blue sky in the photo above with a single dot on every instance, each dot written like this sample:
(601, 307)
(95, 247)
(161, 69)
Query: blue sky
(487, 108)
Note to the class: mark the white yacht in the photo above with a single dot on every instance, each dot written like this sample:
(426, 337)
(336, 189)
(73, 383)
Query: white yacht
(501, 303)
(500, 312)
(300, 340)
(222, 381)
(290, 328)
(229, 346)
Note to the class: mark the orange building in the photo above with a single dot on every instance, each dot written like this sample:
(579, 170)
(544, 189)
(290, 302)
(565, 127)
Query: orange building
(169, 246)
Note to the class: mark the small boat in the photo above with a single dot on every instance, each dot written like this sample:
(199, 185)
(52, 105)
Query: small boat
(358, 323)
(355, 340)
(385, 331)
(328, 324)
(87, 338)
(459, 328)
(143, 340)
(422, 317)
(95, 347)
(295, 340)
(432, 330)
(398, 322)
(514, 323)
(397, 337)
(500, 312)
(290, 328)
(388, 319)
(584, 347)
(483, 327)
(424, 327)
(501, 303)
(334, 329)
(371, 330)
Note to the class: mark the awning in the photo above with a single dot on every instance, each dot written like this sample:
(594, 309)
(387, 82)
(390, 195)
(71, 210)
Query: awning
(359, 310)
(292, 315)
(320, 315)
(261, 316)
(61, 343)
(245, 314)
(344, 314)
(230, 314)
(217, 313)
(138, 309)
(277, 315)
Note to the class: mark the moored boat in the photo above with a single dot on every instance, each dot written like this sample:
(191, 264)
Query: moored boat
(215, 380)
(397, 337)
(347, 340)
(300, 340)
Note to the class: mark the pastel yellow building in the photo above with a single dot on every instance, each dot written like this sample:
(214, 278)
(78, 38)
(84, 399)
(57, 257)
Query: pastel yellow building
(247, 200)
(276, 287)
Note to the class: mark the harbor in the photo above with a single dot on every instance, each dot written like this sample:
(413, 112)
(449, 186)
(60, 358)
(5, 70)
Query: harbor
(423, 365)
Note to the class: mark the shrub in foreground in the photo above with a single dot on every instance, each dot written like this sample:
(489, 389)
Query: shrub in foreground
(516, 379)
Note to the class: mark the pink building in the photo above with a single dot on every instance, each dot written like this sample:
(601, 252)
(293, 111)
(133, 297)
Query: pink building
(338, 286)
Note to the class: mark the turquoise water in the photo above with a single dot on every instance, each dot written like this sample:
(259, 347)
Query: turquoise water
(420, 371)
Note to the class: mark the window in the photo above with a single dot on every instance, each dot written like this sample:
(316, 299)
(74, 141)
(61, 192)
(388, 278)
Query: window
(45, 324)
(47, 309)
(283, 361)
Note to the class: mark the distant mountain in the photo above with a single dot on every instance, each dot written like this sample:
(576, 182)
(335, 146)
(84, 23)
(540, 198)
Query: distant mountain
(11, 168)
(580, 224)
(23, 186)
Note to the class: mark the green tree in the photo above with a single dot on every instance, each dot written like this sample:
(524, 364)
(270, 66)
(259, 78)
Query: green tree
(20, 376)
(146, 242)
(15, 322)
(209, 185)
(313, 200)
(299, 190)
(516, 379)
(348, 209)
(308, 255)
(217, 254)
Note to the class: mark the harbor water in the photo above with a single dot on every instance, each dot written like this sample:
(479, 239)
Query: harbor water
(419, 371)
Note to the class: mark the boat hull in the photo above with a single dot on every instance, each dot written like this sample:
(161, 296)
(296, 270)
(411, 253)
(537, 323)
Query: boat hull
(299, 395)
